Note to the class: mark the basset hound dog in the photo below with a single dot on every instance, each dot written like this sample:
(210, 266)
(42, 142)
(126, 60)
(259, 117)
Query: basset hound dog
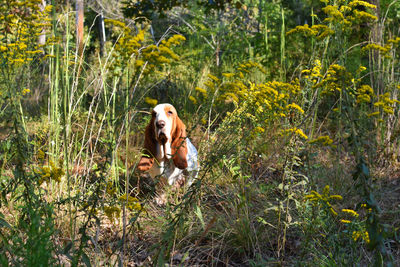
(168, 151)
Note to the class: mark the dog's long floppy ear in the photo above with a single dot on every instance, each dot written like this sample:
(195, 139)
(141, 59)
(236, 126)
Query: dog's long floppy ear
(178, 146)
(150, 149)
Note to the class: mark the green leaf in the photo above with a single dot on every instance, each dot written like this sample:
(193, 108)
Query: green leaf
(4, 223)
(199, 215)
(86, 259)
(365, 170)
(67, 249)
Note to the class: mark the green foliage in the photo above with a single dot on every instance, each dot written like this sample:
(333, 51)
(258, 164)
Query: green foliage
(148, 8)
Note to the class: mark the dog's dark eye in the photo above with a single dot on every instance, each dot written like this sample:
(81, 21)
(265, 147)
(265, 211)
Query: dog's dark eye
(170, 112)
(153, 114)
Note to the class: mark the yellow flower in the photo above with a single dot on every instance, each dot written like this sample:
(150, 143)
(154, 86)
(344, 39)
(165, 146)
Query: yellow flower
(333, 211)
(295, 106)
(26, 91)
(40, 154)
(336, 197)
(350, 212)
(373, 114)
(112, 212)
(193, 99)
(361, 69)
(139, 63)
(325, 140)
(110, 189)
(152, 102)
(202, 91)
(228, 75)
(212, 77)
(361, 234)
(50, 172)
(301, 133)
(258, 129)
(333, 12)
(383, 49)
(361, 3)
(362, 15)
(132, 203)
(296, 131)
(345, 221)
(115, 22)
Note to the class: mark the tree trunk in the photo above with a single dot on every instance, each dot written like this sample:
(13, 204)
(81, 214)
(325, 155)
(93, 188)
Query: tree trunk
(79, 26)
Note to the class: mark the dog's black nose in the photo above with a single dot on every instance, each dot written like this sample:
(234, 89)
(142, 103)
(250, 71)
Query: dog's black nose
(160, 124)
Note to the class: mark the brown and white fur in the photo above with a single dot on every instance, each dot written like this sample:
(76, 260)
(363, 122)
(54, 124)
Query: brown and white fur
(168, 151)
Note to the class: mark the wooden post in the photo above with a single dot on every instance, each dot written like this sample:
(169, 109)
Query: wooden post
(79, 26)
(102, 33)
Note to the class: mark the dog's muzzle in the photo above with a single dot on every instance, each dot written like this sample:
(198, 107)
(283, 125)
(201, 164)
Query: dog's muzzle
(162, 137)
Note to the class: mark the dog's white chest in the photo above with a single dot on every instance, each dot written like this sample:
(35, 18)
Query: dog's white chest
(166, 168)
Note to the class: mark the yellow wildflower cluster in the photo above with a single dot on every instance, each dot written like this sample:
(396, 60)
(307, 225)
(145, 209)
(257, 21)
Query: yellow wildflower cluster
(355, 226)
(319, 31)
(364, 94)
(324, 140)
(324, 199)
(356, 235)
(132, 46)
(26, 91)
(269, 96)
(20, 23)
(152, 102)
(356, 3)
(314, 74)
(336, 79)
(350, 212)
(395, 41)
(386, 104)
(49, 172)
(364, 206)
(294, 106)
(339, 15)
(296, 131)
(384, 50)
(112, 212)
(40, 155)
(257, 130)
(334, 14)
(162, 53)
(236, 88)
(110, 188)
(266, 102)
(348, 15)
(364, 16)
(193, 99)
(132, 203)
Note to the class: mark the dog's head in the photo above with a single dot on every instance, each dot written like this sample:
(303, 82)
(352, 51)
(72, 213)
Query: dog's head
(165, 137)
